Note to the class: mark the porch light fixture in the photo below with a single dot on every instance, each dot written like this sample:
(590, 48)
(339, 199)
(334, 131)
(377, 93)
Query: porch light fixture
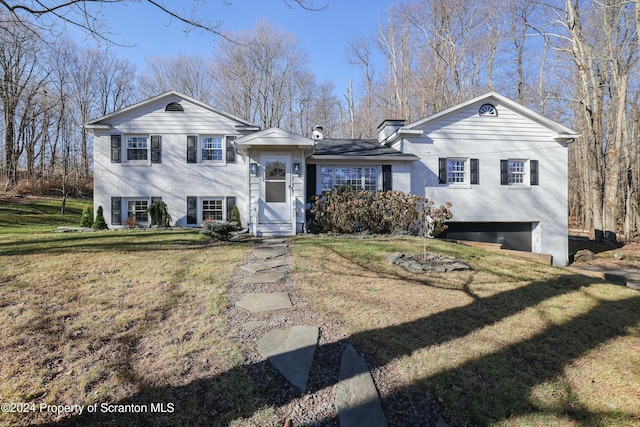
(296, 169)
(253, 168)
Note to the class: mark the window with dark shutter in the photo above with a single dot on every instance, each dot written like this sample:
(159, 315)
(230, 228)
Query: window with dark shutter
(387, 183)
(116, 211)
(504, 172)
(442, 170)
(475, 171)
(192, 147)
(533, 171)
(231, 202)
(192, 210)
(156, 199)
(231, 149)
(156, 149)
(116, 142)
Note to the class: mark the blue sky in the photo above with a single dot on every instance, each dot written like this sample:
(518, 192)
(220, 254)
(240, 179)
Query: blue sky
(322, 34)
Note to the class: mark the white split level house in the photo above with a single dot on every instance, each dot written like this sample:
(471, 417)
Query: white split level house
(501, 165)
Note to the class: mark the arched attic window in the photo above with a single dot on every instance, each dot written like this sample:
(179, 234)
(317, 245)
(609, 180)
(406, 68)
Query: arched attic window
(174, 106)
(488, 110)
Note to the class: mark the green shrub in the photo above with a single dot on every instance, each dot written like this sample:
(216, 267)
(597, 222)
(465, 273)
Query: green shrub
(100, 223)
(235, 216)
(159, 214)
(349, 211)
(87, 217)
(219, 230)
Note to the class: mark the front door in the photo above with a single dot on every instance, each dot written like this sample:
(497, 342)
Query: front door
(275, 190)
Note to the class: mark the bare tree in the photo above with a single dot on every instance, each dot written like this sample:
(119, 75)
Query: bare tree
(88, 15)
(256, 79)
(21, 78)
(188, 74)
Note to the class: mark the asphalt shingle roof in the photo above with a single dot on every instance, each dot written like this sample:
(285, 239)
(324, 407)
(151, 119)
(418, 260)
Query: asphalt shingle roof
(356, 148)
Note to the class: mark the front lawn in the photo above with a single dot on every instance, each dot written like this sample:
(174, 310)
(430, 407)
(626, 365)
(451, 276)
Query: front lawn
(129, 318)
(510, 343)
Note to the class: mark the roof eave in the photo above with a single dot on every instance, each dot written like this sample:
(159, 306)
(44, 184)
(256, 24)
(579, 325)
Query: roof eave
(411, 158)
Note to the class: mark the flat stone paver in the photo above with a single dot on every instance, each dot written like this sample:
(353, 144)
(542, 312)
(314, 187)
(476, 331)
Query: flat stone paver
(273, 277)
(257, 267)
(259, 302)
(357, 399)
(268, 253)
(291, 352)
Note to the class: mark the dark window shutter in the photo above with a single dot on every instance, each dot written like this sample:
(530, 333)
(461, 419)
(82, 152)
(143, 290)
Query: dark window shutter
(192, 210)
(475, 171)
(442, 170)
(386, 178)
(231, 149)
(533, 171)
(231, 202)
(504, 172)
(156, 199)
(156, 149)
(311, 181)
(116, 211)
(115, 148)
(192, 142)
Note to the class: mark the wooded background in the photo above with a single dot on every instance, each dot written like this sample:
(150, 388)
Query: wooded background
(573, 61)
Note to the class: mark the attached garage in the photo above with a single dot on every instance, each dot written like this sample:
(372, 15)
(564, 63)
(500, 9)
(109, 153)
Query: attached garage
(511, 235)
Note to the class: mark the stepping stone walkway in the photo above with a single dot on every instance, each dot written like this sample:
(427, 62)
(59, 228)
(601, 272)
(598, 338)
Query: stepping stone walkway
(291, 349)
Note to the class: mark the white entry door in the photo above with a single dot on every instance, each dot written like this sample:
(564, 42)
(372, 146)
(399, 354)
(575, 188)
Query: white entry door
(275, 188)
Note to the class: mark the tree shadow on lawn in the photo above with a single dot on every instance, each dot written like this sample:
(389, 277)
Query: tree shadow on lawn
(95, 242)
(529, 362)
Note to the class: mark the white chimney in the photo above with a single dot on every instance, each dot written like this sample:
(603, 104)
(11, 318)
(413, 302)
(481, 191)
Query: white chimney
(317, 133)
(387, 128)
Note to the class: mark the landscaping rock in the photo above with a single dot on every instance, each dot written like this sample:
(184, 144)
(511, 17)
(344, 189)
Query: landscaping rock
(434, 263)
(584, 255)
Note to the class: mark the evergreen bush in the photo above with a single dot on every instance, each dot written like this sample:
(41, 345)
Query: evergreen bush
(159, 213)
(235, 216)
(87, 217)
(219, 230)
(100, 223)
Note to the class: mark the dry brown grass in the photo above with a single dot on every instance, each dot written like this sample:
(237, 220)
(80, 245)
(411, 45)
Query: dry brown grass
(119, 317)
(510, 343)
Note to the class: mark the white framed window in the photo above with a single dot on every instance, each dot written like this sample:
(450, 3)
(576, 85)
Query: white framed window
(212, 209)
(456, 171)
(137, 148)
(212, 148)
(357, 178)
(517, 172)
(137, 209)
